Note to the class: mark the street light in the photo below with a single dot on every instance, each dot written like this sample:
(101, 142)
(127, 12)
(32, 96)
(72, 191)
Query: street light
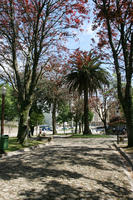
(3, 109)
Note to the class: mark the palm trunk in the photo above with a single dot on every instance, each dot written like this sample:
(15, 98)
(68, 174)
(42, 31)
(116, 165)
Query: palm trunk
(86, 113)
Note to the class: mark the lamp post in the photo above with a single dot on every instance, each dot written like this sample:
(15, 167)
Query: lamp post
(3, 109)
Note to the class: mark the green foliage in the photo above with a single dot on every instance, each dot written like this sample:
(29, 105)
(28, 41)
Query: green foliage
(78, 111)
(13, 145)
(90, 116)
(36, 115)
(48, 91)
(65, 114)
(11, 111)
(90, 136)
(86, 72)
(86, 76)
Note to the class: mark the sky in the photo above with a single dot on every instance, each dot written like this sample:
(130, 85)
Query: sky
(84, 41)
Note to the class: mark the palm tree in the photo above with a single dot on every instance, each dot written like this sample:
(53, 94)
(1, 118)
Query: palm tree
(86, 76)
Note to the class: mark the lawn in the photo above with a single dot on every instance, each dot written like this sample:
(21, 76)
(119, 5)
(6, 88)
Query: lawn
(90, 136)
(13, 145)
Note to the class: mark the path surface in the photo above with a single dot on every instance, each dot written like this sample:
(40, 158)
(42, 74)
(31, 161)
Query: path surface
(68, 169)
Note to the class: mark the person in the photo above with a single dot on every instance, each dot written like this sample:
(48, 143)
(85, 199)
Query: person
(114, 129)
(124, 131)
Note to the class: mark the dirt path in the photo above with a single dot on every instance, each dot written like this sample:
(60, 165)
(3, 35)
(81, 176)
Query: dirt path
(68, 169)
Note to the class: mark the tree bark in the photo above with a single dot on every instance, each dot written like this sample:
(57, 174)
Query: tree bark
(86, 113)
(54, 117)
(80, 127)
(128, 109)
(23, 123)
(105, 126)
(76, 126)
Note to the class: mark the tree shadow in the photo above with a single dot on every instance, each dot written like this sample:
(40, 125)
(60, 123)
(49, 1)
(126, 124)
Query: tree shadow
(55, 190)
(58, 191)
(48, 162)
(49, 157)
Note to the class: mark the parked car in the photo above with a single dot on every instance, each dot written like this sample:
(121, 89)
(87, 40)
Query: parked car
(100, 129)
(45, 128)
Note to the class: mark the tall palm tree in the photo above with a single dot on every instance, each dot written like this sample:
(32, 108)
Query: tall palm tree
(86, 76)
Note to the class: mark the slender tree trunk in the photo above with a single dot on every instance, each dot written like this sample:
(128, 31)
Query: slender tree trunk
(82, 123)
(64, 127)
(76, 126)
(32, 130)
(105, 126)
(86, 113)
(79, 127)
(54, 117)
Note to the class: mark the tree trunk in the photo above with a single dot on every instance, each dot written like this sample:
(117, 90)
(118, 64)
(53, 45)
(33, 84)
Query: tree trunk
(64, 128)
(126, 101)
(129, 120)
(54, 117)
(86, 113)
(32, 130)
(82, 124)
(23, 123)
(80, 127)
(105, 126)
(76, 126)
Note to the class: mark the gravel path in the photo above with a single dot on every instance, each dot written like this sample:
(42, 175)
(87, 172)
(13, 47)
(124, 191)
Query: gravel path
(68, 169)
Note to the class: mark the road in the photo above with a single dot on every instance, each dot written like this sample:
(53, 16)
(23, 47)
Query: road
(66, 169)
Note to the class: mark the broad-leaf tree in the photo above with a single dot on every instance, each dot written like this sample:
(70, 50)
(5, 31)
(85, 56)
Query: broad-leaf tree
(29, 31)
(85, 76)
(36, 116)
(55, 93)
(64, 114)
(11, 111)
(114, 20)
(102, 104)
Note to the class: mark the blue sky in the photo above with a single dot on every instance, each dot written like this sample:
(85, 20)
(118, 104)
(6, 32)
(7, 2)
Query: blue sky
(84, 39)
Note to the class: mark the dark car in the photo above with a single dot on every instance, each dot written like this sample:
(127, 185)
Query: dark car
(45, 128)
(100, 129)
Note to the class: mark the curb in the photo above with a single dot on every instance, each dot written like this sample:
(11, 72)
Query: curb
(124, 155)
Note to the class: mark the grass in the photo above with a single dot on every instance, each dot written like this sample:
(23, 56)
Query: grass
(13, 145)
(90, 136)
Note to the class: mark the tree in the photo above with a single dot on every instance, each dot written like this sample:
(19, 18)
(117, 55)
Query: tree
(11, 111)
(78, 113)
(102, 104)
(64, 115)
(86, 76)
(114, 21)
(29, 31)
(36, 116)
(51, 95)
